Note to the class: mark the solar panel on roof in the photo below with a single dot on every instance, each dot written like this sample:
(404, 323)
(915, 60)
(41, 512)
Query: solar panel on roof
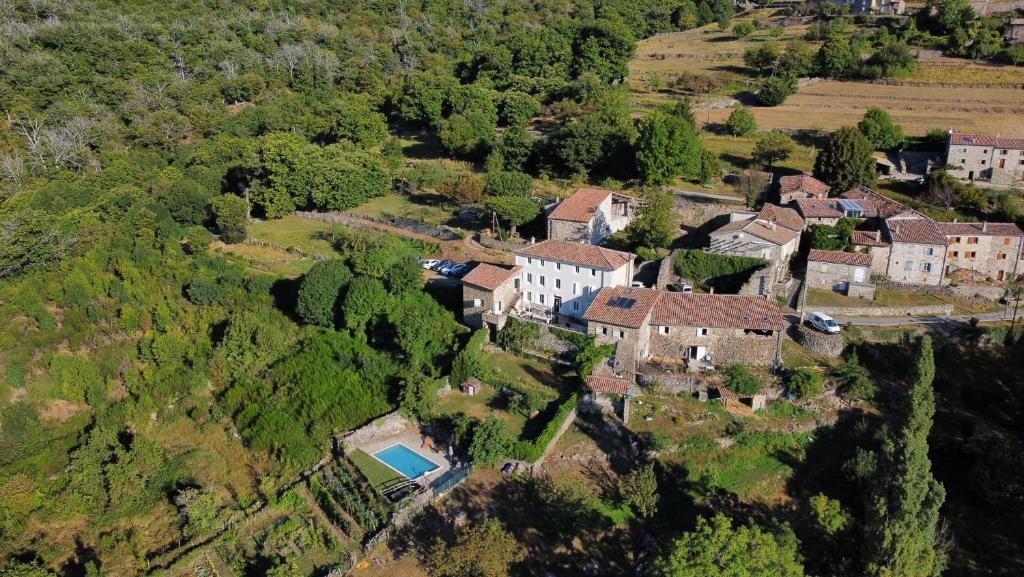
(623, 302)
(847, 204)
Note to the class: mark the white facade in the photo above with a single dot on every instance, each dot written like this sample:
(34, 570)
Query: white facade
(563, 287)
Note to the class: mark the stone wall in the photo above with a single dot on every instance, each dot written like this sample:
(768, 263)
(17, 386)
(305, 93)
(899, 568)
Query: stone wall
(568, 230)
(761, 282)
(390, 424)
(978, 291)
(499, 244)
(829, 275)
(918, 311)
(726, 346)
(861, 290)
(695, 212)
(629, 348)
(902, 255)
(666, 271)
(819, 342)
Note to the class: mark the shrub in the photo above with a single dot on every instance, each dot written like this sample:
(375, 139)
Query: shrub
(467, 363)
(197, 239)
(855, 380)
(805, 383)
(517, 335)
(205, 291)
(490, 442)
(741, 381)
(231, 214)
(639, 490)
(701, 267)
(318, 292)
(775, 90)
(508, 183)
(741, 122)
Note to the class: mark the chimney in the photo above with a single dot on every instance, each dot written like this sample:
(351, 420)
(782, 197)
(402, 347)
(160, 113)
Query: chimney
(712, 290)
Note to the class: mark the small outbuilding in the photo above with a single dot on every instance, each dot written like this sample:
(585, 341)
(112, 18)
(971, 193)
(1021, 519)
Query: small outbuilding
(839, 271)
(471, 387)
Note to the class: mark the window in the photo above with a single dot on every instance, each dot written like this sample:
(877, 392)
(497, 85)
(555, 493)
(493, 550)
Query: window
(529, 297)
(1001, 256)
(972, 240)
(575, 305)
(909, 265)
(540, 296)
(983, 163)
(593, 272)
(1006, 242)
(824, 268)
(619, 334)
(911, 250)
(984, 151)
(577, 269)
(956, 239)
(926, 267)
(543, 281)
(558, 283)
(929, 251)
(963, 161)
(558, 266)
(529, 260)
(702, 332)
(1022, 162)
(586, 290)
(542, 264)
(970, 254)
(604, 330)
(529, 277)
(1004, 151)
(954, 253)
(663, 330)
(575, 288)
(478, 302)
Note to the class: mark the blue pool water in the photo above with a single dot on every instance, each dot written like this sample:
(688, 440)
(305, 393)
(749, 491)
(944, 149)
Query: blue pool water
(405, 461)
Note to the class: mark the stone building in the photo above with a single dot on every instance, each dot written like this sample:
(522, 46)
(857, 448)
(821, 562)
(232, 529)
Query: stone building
(875, 6)
(1015, 35)
(561, 278)
(772, 234)
(871, 242)
(715, 330)
(590, 215)
(982, 251)
(488, 294)
(801, 186)
(860, 202)
(838, 271)
(622, 316)
(917, 251)
(996, 159)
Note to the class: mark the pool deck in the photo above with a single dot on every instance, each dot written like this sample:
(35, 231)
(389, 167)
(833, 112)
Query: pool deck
(412, 439)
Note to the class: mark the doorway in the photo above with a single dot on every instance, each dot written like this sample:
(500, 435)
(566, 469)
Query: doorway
(1002, 163)
(558, 304)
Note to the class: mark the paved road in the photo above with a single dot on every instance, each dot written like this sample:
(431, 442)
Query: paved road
(898, 321)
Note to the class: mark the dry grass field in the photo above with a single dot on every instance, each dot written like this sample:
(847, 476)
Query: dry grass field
(942, 93)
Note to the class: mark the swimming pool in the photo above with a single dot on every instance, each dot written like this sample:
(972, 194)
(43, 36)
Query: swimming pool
(406, 461)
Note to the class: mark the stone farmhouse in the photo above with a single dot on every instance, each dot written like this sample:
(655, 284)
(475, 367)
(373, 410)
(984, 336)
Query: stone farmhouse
(772, 234)
(801, 186)
(982, 250)
(917, 250)
(590, 215)
(489, 293)
(842, 272)
(985, 157)
(860, 202)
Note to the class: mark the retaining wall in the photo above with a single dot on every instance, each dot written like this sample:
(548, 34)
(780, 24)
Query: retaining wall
(819, 342)
(392, 423)
(927, 310)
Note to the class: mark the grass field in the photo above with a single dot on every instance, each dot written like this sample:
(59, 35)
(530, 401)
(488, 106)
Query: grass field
(883, 298)
(943, 93)
(380, 475)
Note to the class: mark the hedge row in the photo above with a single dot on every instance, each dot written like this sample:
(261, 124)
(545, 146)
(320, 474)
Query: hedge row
(530, 451)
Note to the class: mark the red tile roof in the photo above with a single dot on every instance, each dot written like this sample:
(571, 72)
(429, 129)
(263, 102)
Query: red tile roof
(714, 310)
(787, 217)
(490, 277)
(875, 205)
(818, 208)
(621, 306)
(577, 253)
(803, 183)
(980, 229)
(839, 257)
(915, 230)
(868, 238)
(611, 385)
(987, 140)
(581, 206)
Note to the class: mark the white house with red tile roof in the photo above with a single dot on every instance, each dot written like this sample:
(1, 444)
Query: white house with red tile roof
(590, 215)
(560, 277)
(988, 157)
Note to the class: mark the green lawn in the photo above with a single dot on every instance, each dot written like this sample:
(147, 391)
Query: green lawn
(480, 406)
(735, 152)
(883, 298)
(535, 375)
(293, 231)
(405, 205)
(380, 475)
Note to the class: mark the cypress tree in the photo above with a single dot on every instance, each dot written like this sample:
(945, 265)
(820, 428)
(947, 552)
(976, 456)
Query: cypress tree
(903, 497)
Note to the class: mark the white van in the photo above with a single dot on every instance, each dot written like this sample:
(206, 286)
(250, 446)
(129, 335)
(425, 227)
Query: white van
(823, 323)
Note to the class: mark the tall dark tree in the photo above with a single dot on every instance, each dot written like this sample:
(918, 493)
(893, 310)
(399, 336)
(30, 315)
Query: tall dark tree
(666, 147)
(318, 292)
(847, 161)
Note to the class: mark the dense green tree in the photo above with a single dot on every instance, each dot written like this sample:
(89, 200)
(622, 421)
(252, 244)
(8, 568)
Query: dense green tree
(666, 147)
(654, 226)
(353, 119)
(319, 292)
(775, 90)
(763, 58)
(490, 442)
(515, 145)
(516, 336)
(419, 398)
(423, 96)
(804, 382)
(31, 241)
(482, 549)
(717, 549)
(741, 122)
(710, 167)
(517, 108)
(743, 29)
(772, 147)
(365, 301)
(877, 126)
(508, 183)
(903, 498)
(516, 210)
(231, 215)
(15, 568)
(846, 161)
(423, 329)
(838, 58)
(639, 489)
(604, 48)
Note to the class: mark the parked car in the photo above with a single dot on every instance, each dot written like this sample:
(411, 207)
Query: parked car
(447, 270)
(637, 284)
(823, 323)
(680, 287)
(459, 270)
(429, 263)
(441, 264)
